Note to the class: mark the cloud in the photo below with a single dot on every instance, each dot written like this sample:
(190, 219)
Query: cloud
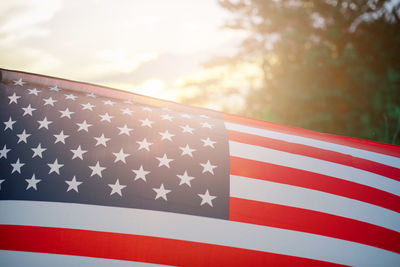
(21, 22)
(129, 42)
(167, 67)
(23, 18)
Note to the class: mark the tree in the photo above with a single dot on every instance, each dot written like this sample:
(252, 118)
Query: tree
(328, 65)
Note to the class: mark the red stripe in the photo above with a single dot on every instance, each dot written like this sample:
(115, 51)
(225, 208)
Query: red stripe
(314, 222)
(387, 149)
(138, 248)
(344, 159)
(315, 181)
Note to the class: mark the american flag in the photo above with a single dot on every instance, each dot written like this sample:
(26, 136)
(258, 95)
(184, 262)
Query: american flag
(94, 176)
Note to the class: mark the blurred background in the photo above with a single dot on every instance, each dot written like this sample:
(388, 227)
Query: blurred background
(327, 65)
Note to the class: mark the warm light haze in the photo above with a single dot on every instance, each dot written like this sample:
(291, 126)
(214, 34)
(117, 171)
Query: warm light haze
(325, 65)
(147, 47)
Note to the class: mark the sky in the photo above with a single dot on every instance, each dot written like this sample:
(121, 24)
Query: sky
(147, 47)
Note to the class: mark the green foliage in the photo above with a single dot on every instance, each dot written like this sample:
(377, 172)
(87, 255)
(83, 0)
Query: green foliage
(332, 79)
(340, 76)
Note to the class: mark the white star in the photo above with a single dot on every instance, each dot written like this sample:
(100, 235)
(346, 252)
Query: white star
(102, 140)
(49, 101)
(147, 122)
(120, 156)
(206, 125)
(60, 137)
(70, 96)
(106, 117)
(4, 151)
(207, 167)
(187, 150)
(108, 102)
(54, 88)
(14, 98)
(128, 102)
(144, 144)
(23, 136)
(126, 111)
(55, 167)
(28, 110)
(187, 129)
(167, 117)
(33, 91)
(9, 124)
(124, 130)
(140, 173)
(206, 198)
(164, 161)
(166, 135)
(73, 184)
(38, 151)
(87, 106)
(91, 95)
(19, 82)
(78, 153)
(44, 123)
(147, 109)
(66, 113)
(84, 126)
(17, 166)
(208, 142)
(185, 179)
(32, 182)
(161, 192)
(97, 169)
(186, 116)
(116, 188)
(1, 181)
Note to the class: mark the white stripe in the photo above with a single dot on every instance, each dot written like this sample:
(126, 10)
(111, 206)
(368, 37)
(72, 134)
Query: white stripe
(288, 195)
(194, 228)
(356, 152)
(314, 165)
(23, 259)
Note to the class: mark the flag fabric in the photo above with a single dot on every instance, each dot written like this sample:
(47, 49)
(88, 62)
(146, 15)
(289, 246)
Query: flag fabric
(95, 176)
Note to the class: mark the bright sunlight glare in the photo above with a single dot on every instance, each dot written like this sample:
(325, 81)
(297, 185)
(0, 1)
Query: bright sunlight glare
(146, 47)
